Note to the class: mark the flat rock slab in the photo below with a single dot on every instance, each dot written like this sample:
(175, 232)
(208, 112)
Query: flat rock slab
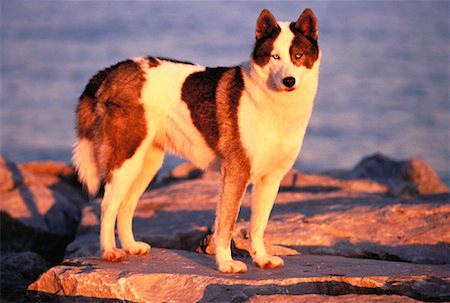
(182, 276)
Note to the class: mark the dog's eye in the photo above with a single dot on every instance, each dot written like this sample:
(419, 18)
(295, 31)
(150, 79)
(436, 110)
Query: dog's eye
(276, 57)
(298, 56)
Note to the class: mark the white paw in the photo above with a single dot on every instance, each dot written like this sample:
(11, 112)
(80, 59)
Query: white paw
(114, 254)
(232, 266)
(137, 248)
(267, 261)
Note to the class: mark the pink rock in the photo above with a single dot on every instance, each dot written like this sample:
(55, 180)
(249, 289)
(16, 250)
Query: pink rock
(180, 276)
(39, 206)
(411, 177)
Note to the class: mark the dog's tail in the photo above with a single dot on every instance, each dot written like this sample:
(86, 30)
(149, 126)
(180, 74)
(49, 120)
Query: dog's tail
(84, 161)
(83, 156)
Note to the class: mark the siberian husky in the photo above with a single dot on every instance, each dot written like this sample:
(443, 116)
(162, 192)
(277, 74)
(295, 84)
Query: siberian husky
(248, 121)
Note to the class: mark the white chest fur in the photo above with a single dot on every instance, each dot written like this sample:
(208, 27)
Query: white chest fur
(272, 124)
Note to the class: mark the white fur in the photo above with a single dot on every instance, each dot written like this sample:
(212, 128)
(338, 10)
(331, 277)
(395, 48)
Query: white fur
(272, 123)
(83, 160)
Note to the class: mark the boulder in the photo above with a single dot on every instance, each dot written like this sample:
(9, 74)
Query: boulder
(39, 214)
(18, 270)
(47, 173)
(409, 177)
(39, 208)
(181, 276)
(184, 171)
(297, 181)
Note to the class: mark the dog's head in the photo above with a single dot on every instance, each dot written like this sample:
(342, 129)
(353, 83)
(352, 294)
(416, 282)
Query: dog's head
(284, 51)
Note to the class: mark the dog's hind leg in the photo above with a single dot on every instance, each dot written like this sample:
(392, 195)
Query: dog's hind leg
(152, 162)
(116, 190)
(265, 190)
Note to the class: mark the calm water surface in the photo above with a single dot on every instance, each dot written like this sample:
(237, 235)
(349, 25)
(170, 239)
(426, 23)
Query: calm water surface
(384, 82)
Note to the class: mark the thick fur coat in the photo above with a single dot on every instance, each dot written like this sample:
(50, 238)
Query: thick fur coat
(248, 121)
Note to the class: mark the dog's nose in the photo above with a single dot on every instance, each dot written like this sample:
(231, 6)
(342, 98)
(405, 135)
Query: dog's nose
(289, 82)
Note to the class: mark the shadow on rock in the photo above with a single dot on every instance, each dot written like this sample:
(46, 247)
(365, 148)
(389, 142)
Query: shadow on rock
(36, 296)
(243, 292)
(413, 253)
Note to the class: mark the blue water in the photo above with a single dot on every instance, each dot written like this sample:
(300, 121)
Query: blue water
(384, 82)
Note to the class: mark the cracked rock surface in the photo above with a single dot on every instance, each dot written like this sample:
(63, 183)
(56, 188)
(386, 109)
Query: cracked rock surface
(181, 276)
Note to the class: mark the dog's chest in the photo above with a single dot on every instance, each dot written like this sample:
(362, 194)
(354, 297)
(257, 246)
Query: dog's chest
(272, 135)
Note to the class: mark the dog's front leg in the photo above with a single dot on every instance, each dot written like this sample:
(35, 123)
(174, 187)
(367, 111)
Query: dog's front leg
(233, 185)
(265, 190)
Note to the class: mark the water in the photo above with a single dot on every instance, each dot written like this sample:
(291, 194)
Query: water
(384, 82)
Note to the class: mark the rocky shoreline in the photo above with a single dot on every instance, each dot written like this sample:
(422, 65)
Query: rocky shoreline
(396, 212)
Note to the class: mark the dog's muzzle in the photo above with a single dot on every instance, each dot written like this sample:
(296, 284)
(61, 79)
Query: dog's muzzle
(289, 82)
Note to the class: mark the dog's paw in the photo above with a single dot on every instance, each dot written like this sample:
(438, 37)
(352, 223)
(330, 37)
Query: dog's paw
(138, 248)
(232, 266)
(114, 254)
(268, 261)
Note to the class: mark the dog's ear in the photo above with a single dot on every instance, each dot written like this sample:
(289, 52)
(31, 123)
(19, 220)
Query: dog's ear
(307, 24)
(266, 26)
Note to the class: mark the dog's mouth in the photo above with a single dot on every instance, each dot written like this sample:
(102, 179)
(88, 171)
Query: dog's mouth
(288, 89)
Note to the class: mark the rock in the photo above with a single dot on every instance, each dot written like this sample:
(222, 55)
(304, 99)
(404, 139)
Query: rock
(401, 177)
(180, 276)
(184, 171)
(39, 208)
(411, 230)
(187, 171)
(297, 181)
(39, 213)
(18, 270)
(313, 214)
(9, 175)
(46, 173)
(332, 299)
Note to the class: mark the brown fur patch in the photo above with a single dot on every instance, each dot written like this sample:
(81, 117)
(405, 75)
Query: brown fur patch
(85, 111)
(86, 118)
(229, 91)
(122, 125)
(152, 62)
(307, 48)
(305, 32)
(199, 93)
(267, 30)
(111, 114)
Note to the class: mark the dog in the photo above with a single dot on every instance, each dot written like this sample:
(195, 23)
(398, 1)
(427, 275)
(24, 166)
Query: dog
(248, 121)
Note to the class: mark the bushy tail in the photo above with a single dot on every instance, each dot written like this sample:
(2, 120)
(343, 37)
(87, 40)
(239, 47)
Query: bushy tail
(83, 155)
(85, 165)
